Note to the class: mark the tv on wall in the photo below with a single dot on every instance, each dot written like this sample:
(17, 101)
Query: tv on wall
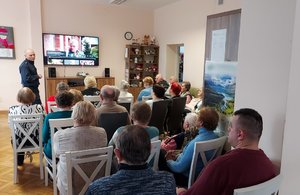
(70, 50)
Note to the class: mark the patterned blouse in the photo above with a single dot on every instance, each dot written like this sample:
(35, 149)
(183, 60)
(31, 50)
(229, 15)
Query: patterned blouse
(26, 109)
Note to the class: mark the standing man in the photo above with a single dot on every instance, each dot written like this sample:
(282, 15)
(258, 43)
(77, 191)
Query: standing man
(29, 76)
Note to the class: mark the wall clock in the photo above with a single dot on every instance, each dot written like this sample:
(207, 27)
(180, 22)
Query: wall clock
(128, 35)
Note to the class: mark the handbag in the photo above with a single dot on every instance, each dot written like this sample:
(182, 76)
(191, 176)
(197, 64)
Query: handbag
(168, 144)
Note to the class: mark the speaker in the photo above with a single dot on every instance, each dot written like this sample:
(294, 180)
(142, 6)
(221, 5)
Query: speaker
(51, 72)
(107, 72)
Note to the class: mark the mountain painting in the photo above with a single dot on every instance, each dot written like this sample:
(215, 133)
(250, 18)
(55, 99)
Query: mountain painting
(219, 86)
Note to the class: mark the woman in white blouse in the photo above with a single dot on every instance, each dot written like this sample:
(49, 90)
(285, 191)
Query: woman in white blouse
(25, 97)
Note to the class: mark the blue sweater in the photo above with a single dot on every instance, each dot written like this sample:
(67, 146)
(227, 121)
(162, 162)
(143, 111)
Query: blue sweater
(138, 179)
(183, 162)
(46, 132)
(144, 92)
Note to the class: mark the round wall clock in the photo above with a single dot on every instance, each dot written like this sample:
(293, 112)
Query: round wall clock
(128, 35)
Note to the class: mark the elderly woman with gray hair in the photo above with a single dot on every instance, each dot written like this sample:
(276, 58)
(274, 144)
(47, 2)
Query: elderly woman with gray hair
(82, 136)
(124, 89)
(90, 84)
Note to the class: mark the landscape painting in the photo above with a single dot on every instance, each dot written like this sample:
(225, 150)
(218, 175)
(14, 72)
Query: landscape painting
(219, 86)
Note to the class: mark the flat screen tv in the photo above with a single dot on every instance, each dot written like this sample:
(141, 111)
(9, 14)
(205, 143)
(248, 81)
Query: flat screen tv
(70, 50)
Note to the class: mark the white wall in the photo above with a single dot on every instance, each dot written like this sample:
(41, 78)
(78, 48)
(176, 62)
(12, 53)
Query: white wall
(291, 144)
(264, 63)
(24, 16)
(108, 22)
(184, 22)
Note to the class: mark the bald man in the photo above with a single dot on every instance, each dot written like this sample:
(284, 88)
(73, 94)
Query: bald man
(29, 76)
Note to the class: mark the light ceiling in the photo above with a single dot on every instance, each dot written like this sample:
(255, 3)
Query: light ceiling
(141, 4)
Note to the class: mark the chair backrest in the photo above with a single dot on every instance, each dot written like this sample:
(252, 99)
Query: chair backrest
(159, 113)
(154, 155)
(126, 102)
(145, 98)
(57, 125)
(94, 99)
(52, 107)
(175, 115)
(270, 187)
(112, 121)
(78, 160)
(213, 145)
(26, 133)
(26, 125)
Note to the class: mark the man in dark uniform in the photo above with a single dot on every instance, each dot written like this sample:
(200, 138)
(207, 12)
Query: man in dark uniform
(29, 76)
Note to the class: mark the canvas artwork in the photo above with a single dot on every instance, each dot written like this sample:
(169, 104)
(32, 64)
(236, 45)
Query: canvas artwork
(7, 46)
(219, 86)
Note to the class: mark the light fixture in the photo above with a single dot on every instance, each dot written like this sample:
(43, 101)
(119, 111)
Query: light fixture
(117, 2)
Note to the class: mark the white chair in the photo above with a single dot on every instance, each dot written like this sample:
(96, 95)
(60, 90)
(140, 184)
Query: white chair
(270, 187)
(52, 107)
(126, 102)
(94, 99)
(154, 155)
(76, 159)
(55, 124)
(26, 125)
(214, 145)
(145, 98)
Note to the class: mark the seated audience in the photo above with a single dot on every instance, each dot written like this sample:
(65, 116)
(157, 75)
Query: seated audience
(132, 150)
(117, 93)
(82, 136)
(185, 91)
(244, 166)
(148, 83)
(61, 86)
(64, 101)
(172, 79)
(90, 86)
(25, 97)
(196, 103)
(161, 81)
(124, 89)
(180, 166)
(175, 90)
(77, 95)
(108, 105)
(178, 141)
(140, 115)
(158, 94)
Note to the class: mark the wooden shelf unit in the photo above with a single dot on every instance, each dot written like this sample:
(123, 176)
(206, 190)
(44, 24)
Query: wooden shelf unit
(75, 83)
(141, 61)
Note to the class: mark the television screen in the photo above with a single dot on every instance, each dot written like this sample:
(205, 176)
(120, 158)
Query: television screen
(71, 50)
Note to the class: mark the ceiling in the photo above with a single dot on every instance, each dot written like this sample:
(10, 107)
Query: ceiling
(140, 4)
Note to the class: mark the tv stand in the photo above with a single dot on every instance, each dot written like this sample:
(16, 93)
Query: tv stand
(74, 83)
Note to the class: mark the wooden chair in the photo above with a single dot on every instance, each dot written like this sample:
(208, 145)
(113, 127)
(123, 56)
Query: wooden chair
(215, 146)
(126, 102)
(26, 124)
(175, 115)
(93, 159)
(154, 155)
(159, 113)
(112, 121)
(270, 187)
(94, 99)
(55, 125)
(52, 107)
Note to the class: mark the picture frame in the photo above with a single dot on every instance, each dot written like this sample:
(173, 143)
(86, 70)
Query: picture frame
(7, 44)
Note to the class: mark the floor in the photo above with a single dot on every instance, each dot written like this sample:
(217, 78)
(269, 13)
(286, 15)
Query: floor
(29, 175)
